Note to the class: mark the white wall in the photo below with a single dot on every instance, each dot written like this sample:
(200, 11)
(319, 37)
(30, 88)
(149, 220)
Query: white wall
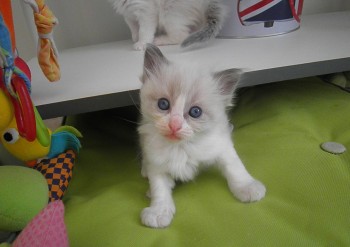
(320, 6)
(87, 22)
(81, 22)
(24, 37)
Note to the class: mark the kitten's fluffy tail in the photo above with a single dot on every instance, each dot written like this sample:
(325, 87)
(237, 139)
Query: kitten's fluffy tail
(215, 16)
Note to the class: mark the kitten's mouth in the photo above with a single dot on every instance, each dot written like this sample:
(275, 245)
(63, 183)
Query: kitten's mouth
(173, 137)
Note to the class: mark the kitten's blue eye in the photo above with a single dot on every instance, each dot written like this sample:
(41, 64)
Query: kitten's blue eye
(195, 112)
(163, 104)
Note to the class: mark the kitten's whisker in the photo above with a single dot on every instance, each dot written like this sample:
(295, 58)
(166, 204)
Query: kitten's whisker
(133, 101)
(127, 120)
(138, 156)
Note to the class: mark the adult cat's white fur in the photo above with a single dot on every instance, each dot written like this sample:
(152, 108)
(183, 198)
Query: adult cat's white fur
(184, 126)
(165, 22)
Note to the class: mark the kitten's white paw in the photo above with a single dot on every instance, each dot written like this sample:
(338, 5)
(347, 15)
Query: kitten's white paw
(158, 216)
(140, 46)
(251, 192)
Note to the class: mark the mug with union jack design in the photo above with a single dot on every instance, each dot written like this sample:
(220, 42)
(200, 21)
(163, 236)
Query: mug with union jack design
(255, 18)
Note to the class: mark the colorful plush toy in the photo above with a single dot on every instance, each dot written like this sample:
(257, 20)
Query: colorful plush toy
(59, 148)
(25, 191)
(45, 144)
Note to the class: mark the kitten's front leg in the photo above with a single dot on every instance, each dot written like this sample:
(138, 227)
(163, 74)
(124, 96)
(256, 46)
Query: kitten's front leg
(160, 213)
(241, 183)
(134, 28)
(147, 29)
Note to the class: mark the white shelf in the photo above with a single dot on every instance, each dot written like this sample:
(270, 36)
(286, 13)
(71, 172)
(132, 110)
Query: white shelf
(107, 75)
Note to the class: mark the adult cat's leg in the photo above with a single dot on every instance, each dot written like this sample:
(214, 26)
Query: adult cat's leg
(147, 29)
(134, 28)
(240, 182)
(160, 213)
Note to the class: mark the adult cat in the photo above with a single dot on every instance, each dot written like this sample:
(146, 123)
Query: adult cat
(166, 22)
(185, 126)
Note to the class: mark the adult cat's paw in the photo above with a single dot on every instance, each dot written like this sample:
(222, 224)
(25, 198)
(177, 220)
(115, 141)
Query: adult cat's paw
(157, 216)
(251, 192)
(140, 46)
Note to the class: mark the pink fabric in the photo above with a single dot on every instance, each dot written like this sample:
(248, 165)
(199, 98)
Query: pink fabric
(47, 229)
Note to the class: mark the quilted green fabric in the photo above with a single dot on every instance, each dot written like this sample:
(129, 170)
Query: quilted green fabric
(279, 128)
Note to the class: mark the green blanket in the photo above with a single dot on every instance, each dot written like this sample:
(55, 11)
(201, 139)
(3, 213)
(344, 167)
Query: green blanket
(278, 131)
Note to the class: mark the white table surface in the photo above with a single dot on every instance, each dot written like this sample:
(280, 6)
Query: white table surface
(105, 76)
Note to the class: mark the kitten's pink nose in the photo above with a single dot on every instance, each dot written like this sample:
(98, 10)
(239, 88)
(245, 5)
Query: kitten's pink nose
(175, 123)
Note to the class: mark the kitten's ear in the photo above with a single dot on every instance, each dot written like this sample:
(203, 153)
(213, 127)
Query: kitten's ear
(153, 59)
(227, 82)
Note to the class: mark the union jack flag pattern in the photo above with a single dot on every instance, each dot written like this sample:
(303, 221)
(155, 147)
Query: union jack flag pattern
(267, 11)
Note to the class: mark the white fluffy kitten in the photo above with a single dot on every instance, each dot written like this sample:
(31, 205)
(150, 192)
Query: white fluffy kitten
(184, 126)
(166, 22)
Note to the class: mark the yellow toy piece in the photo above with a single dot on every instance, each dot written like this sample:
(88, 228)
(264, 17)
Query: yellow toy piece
(19, 147)
(6, 113)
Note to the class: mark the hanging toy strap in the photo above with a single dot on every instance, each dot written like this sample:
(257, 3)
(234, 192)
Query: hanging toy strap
(45, 21)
